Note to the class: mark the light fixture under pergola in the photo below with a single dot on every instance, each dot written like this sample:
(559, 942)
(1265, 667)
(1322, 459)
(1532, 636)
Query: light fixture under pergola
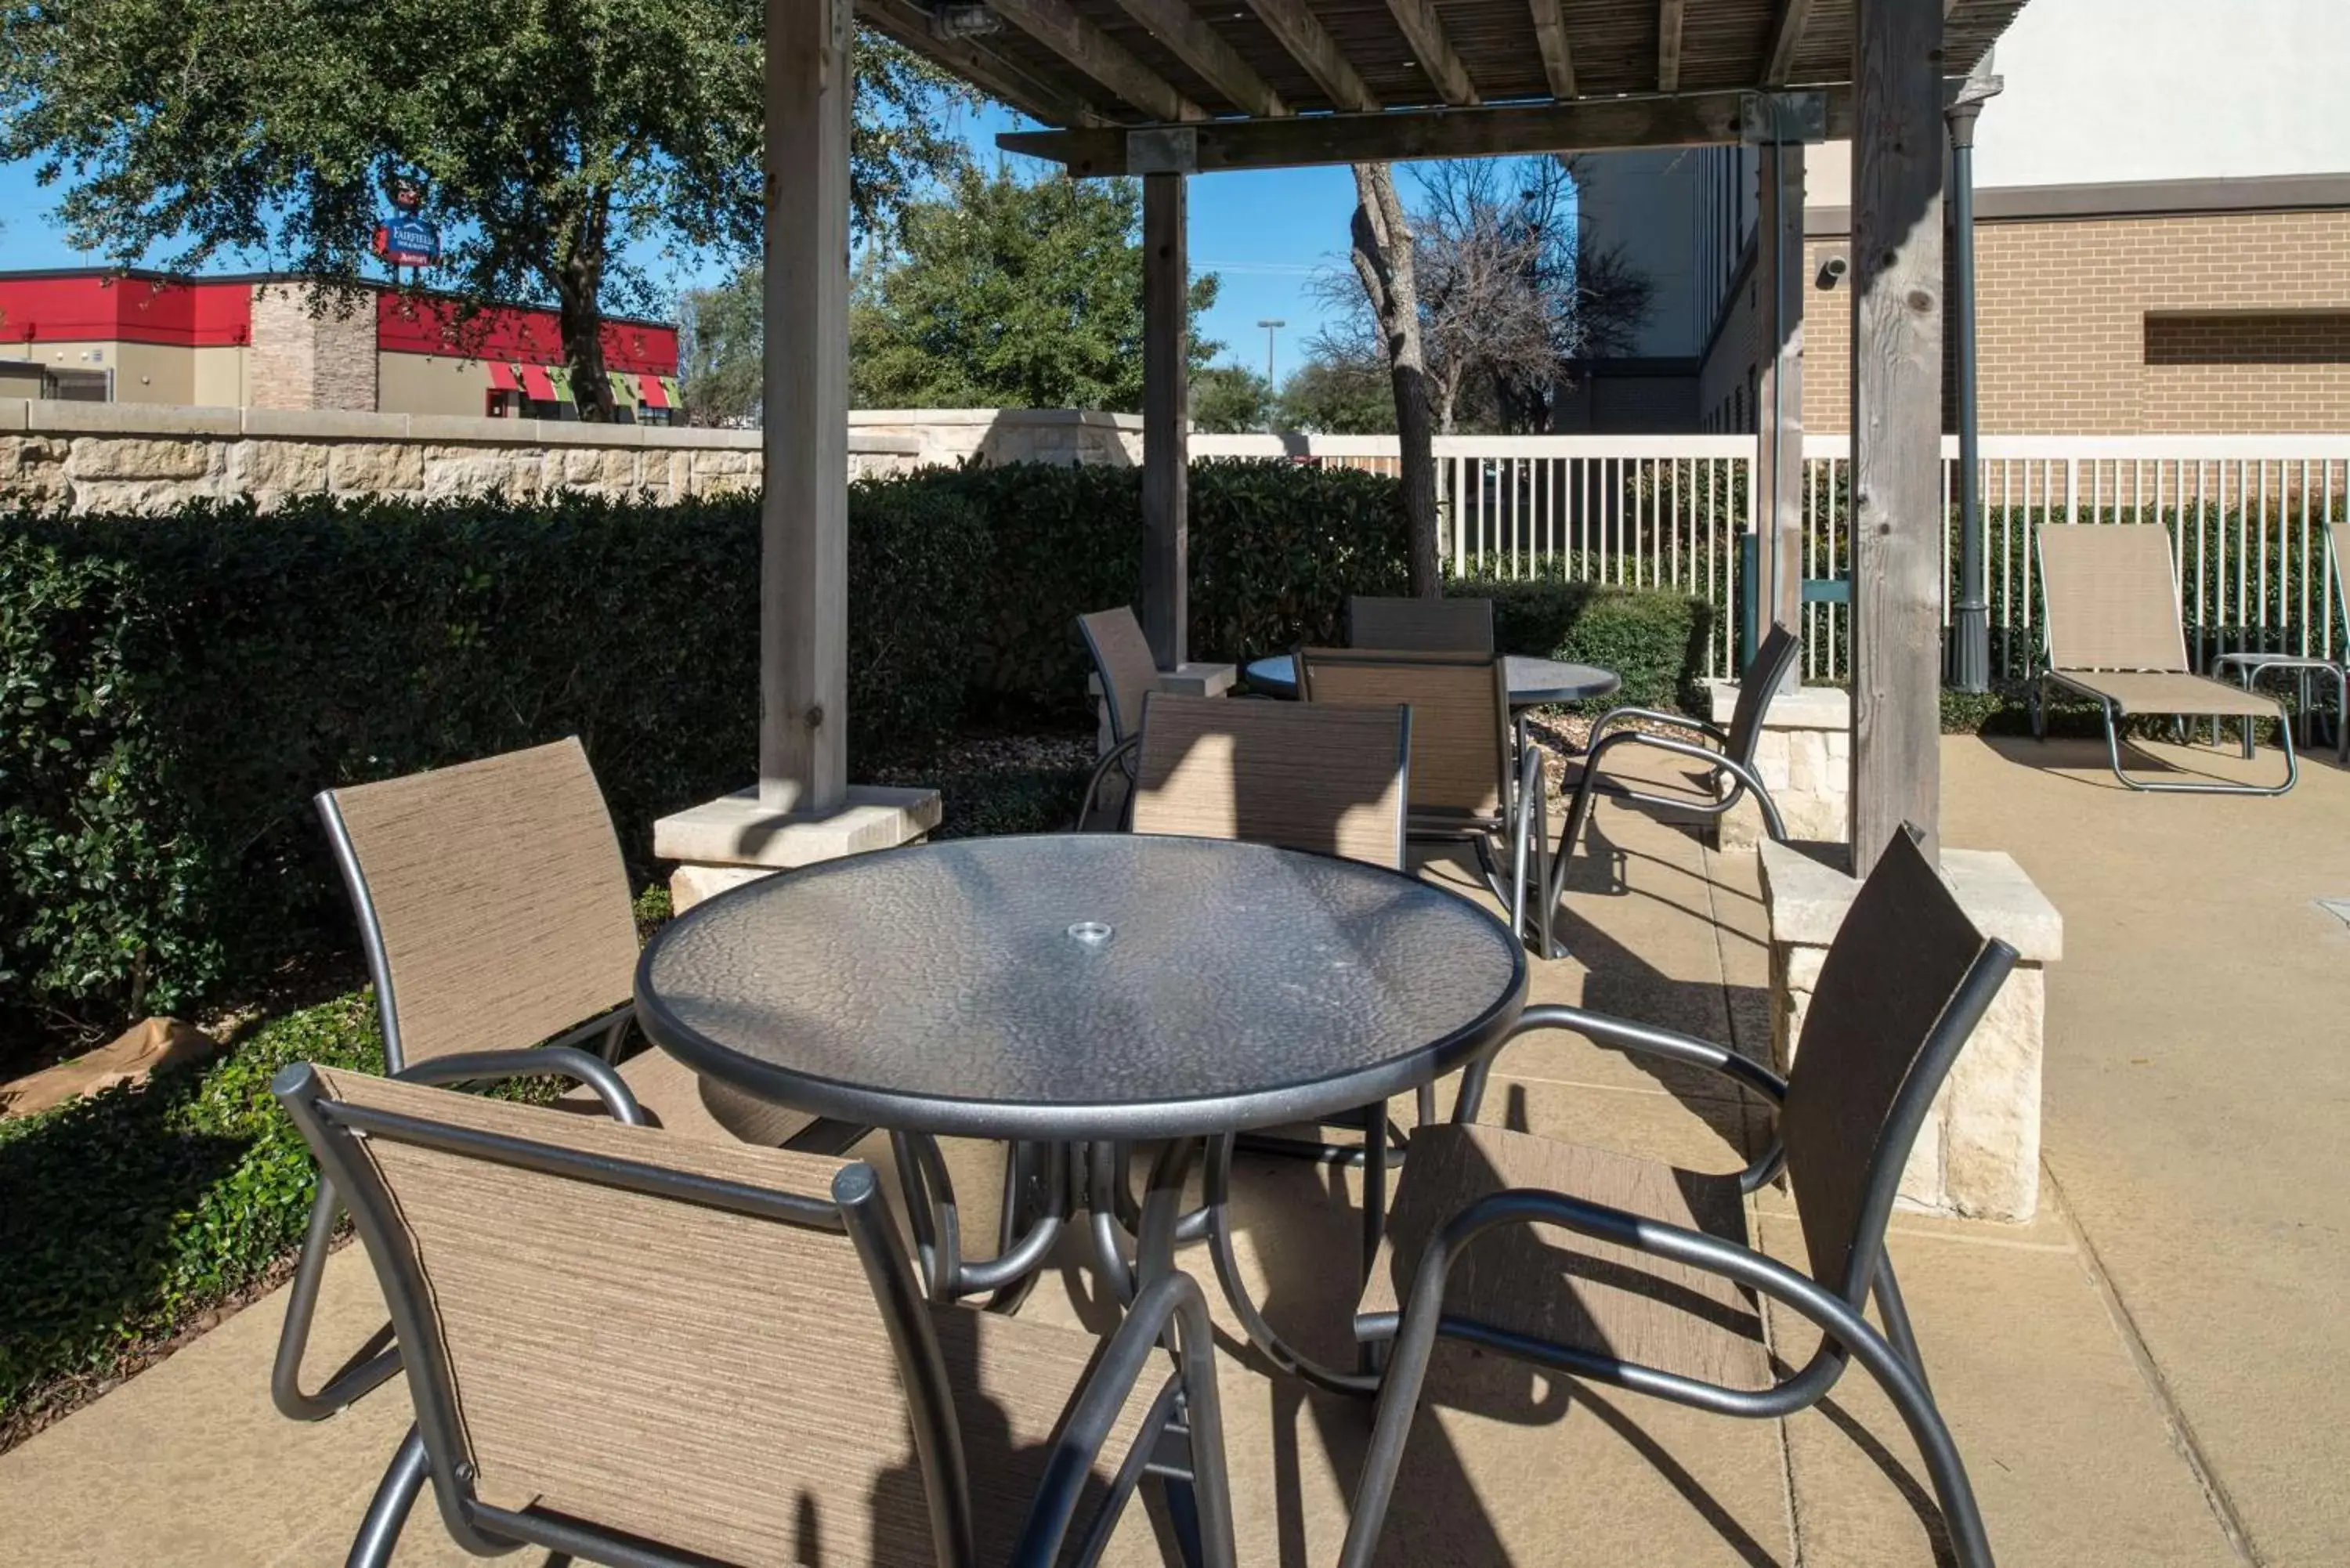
(1166, 88)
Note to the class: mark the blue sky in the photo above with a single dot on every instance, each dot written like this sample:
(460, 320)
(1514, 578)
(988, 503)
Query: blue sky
(1264, 235)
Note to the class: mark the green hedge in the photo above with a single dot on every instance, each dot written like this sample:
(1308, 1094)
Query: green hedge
(128, 1213)
(173, 690)
(1658, 641)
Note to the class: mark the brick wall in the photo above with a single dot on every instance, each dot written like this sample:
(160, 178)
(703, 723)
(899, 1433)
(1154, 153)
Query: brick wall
(2227, 324)
(312, 354)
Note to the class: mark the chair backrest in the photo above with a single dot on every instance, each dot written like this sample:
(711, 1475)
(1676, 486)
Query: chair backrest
(1122, 655)
(1765, 673)
(1904, 984)
(653, 1335)
(492, 901)
(2111, 598)
(1301, 775)
(1427, 626)
(1459, 706)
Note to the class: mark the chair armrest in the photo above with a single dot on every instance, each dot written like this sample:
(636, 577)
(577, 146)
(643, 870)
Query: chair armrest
(1087, 1424)
(1658, 716)
(1115, 757)
(532, 1062)
(1645, 1039)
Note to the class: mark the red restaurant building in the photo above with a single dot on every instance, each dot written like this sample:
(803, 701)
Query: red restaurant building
(253, 340)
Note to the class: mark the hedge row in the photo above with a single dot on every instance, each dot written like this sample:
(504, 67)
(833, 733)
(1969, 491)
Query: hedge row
(173, 690)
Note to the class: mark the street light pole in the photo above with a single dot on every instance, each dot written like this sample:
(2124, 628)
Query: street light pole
(1969, 669)
(1270, 327)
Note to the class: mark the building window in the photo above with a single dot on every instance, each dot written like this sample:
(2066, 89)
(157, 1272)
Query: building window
(2274, 338)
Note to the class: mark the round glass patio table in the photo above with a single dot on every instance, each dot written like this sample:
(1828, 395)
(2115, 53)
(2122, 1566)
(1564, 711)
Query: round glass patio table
(1075, 992)
(1533, 681)
(1074, 987)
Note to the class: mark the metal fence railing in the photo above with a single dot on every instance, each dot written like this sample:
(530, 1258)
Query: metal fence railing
(2247, 515)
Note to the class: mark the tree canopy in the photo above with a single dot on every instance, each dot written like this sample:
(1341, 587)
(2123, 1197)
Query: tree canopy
(1006, 293)
(1228, 399)
(547, 137)
(1336, 393)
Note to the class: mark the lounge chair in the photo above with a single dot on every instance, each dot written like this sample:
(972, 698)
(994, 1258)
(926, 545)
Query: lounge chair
(2113, 635)
(636, 1348)
(1632, 1272)
(2250, 667)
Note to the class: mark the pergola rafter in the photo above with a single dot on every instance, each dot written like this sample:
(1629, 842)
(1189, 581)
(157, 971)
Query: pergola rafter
(1119, 85)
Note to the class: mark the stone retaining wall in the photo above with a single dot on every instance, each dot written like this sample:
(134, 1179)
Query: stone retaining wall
(147, 457)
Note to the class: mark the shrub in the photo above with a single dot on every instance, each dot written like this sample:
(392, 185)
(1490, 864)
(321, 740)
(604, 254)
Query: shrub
(1658, 641)
(131, 1211)
(173, 690)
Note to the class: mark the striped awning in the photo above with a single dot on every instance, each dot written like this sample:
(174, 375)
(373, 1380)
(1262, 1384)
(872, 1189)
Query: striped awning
(624, 389)
(536, 383)
(561, 376)
(654, 395)
(501, 377)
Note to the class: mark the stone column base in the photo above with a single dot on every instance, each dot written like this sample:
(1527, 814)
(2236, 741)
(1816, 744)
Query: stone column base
(734, 839)
(1978, 1155)
(1803, 758)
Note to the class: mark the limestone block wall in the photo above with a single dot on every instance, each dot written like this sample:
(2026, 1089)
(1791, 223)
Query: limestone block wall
(141, 457)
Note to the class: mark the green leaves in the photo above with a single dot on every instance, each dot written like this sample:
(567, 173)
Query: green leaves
(1009, 294)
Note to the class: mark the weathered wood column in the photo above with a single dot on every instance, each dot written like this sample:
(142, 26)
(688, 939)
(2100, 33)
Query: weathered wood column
(804, 522)
(1779, 286)
(1166, 405)
(1896, 420)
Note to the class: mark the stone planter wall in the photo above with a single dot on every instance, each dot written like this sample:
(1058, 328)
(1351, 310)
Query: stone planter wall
(1979, 1152)
(1803, 758)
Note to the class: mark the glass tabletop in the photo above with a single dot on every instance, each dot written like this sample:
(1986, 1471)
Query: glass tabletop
(1533, 680)
(1080, 986)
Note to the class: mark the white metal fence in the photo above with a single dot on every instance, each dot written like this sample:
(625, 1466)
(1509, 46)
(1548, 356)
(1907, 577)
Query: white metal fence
(2247, 515)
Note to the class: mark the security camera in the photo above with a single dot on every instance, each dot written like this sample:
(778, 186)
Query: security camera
(1830, 271)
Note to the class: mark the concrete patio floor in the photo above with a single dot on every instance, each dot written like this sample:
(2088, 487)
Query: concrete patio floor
(2146, 1374)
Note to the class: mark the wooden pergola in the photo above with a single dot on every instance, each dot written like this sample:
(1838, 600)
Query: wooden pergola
(1167, 88)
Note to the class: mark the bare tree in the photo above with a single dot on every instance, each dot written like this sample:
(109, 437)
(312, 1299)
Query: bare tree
(1384, 262)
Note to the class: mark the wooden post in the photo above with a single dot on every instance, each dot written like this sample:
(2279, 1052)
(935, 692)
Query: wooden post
(1166, 405)
(804, 520)
(1897, 421)
(1779, 286)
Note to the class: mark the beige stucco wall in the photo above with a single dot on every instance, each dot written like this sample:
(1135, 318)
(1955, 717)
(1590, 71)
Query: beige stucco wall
(431, 384)
(219, 377)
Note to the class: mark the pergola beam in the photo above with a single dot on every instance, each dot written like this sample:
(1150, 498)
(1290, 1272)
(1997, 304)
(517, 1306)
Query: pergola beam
(971, 58)
(1061, 29)
(1558, 60)
(1787, 35)
(1317, 53)
(1174, 23)
(1668, 45)
(1425, 28)
(1585, 125)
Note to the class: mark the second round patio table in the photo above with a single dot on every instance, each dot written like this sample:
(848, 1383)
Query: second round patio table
(1081, 990)
(1533, 681)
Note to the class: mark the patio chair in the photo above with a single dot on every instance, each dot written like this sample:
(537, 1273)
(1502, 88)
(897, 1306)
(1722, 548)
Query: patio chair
(1636, 1274)
(1725, 752)
(2111, 633)
(494, 910)
(1464, 785)
(1127, 673)
(2250, 667)
(1425, 625)
(636, 1348)
(1324, 778)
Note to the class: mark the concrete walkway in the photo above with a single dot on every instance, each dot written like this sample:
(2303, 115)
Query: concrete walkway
(2145, 1375)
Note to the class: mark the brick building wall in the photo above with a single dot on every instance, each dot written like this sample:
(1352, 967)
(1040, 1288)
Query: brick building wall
(2219, 324)
(312, 355)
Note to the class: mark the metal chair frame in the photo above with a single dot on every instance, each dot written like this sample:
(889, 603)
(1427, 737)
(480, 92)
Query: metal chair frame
(1124, 729)
(1835, 1306)
(1723, 750)
(437, 1450)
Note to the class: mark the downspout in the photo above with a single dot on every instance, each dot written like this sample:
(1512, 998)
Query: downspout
(1969, 659)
